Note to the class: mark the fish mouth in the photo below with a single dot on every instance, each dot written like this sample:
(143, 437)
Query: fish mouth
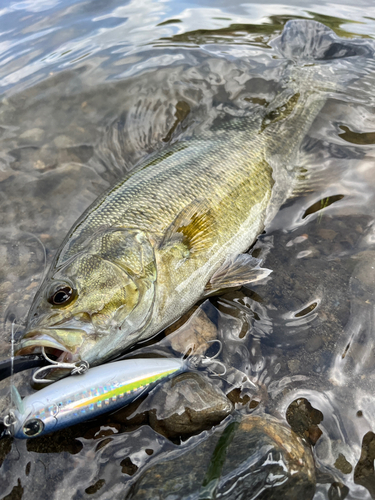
(36, 342)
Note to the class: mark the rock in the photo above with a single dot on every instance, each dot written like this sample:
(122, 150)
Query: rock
(314, 343)
(327, 234)
(251, 457)
(194, 331)
(62, 141)
(364, 472)
(33, 135)
(303, 418)
(187, 405)
(343, 465)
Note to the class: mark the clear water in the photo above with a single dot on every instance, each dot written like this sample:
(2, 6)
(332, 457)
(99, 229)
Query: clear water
(89, 88)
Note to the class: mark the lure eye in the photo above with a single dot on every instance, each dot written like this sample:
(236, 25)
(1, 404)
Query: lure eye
(33, 427)
(61, 296)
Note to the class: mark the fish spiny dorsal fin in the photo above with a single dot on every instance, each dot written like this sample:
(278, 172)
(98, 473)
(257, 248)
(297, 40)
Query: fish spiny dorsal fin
(194, 227)
(17, 400)
(237, 270)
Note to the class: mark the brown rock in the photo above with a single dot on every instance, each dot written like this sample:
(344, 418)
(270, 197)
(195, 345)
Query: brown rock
(304, 419)
(193, 333)
(188, 405)
(250, 457)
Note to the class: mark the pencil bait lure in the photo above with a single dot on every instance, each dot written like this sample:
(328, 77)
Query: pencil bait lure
(75, 399)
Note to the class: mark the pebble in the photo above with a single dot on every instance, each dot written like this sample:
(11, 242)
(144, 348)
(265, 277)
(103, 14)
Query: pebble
(33, 135)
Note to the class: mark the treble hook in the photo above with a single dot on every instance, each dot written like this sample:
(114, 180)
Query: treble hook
(207, 360)
(78, 368)
(220, 363)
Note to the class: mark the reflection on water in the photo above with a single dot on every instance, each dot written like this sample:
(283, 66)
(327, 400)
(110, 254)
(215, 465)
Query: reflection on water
(90, 88)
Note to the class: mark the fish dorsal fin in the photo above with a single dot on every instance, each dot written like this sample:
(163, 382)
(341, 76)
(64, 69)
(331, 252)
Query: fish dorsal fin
(237, 270)
(17, 399)
(194, 227)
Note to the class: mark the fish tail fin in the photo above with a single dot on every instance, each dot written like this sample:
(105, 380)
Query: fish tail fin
(318, 65)
(307, 41)
(323, 62)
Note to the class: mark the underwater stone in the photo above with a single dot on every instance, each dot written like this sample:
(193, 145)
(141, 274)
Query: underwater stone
(186, 405)
(251, 457)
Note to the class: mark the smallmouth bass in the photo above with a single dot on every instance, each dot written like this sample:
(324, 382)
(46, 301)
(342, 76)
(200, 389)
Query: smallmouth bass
(175, 229)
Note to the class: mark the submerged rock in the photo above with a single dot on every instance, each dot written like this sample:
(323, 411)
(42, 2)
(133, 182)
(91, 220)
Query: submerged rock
(187, 405)
(251, 457)
(304, 419)
(194, 331)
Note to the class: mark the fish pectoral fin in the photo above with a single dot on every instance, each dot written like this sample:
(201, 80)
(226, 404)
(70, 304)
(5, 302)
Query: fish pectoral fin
(194, 228)
(237, 270)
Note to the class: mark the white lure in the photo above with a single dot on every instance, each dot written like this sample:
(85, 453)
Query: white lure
(77, 398)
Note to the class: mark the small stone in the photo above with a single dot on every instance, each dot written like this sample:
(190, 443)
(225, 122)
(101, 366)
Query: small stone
(337, 491)
(303, 418)
(327, 234)
(311, 253)
(95, 487)
(294, 365)
(343, 465)
(194, 334)
(128, 467)
(314, 343)
(39, 165)
(33, 135)
(364, 473)
(62, 141)
(235, 396)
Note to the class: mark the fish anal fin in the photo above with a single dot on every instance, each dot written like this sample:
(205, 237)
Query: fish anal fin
(193, 228)
(237, 270)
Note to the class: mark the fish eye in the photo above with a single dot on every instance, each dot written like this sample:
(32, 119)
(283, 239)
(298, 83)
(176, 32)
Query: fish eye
(33, 427)
(61, 296)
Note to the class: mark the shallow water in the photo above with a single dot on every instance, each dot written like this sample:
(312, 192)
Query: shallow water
(88, 89)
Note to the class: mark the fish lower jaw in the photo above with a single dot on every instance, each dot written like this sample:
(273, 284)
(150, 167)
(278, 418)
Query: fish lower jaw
(52, 348)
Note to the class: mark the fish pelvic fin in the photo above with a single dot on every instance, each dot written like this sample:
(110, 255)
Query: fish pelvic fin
(194, 228)
(237, 270)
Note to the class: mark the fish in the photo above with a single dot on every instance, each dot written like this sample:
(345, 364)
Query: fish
(75, 399)
(177, 228)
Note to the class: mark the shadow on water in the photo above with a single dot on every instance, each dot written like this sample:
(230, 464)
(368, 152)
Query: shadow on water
(79, 110)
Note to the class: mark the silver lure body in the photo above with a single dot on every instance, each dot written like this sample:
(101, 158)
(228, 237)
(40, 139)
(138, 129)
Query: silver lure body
(78, 398)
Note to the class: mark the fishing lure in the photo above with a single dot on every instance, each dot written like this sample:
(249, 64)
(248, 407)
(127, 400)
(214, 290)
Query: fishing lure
(77, 398)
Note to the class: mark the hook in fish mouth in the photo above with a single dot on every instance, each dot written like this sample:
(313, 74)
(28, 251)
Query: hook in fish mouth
(38, 343)
(60, 357)
(77, 368)
(61, 361)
